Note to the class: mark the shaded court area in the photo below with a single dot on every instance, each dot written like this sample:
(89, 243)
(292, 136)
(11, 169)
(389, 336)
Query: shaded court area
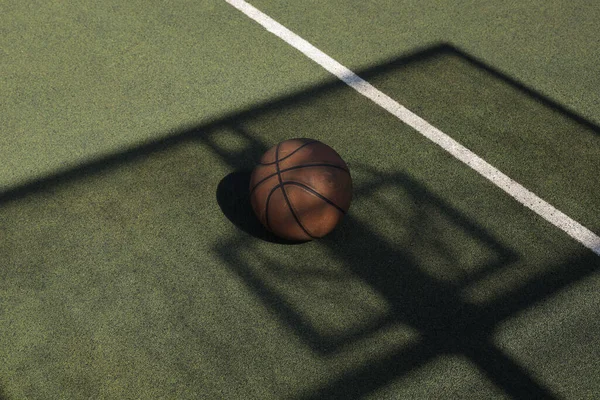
(145, 275)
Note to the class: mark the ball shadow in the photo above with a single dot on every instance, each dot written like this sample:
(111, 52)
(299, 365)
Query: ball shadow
(233, 197)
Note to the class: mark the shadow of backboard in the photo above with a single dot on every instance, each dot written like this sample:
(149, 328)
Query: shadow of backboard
(391, 279)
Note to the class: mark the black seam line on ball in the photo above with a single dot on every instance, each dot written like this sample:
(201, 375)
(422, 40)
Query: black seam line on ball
(296, 167)
(289, 155)
(267, 211)
(267, 206)
(287, 201)
(312, 191)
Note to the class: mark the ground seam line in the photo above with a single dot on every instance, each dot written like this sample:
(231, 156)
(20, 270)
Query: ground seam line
(530, 200)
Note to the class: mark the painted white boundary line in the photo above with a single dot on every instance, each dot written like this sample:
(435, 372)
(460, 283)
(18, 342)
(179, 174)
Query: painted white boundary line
(574, 229)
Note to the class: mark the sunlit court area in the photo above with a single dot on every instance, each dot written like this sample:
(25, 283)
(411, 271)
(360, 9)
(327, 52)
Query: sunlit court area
(149, 189)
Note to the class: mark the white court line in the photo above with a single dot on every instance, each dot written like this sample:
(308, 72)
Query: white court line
(573, 228)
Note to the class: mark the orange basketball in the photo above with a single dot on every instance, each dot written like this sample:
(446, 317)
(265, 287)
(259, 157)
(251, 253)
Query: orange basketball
(301, 189)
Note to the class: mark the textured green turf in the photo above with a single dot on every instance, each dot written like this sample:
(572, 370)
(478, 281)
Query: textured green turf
(84, 80)
(524, 134)
(549, 45)
(126, 279)
(142, 275)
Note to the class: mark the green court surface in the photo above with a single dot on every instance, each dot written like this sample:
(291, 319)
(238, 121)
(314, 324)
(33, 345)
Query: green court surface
(131, 265)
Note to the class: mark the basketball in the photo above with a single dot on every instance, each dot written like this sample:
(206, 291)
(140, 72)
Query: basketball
(301, 189)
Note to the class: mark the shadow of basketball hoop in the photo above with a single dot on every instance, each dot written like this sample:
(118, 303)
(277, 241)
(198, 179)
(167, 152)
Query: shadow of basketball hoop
(385, 269)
